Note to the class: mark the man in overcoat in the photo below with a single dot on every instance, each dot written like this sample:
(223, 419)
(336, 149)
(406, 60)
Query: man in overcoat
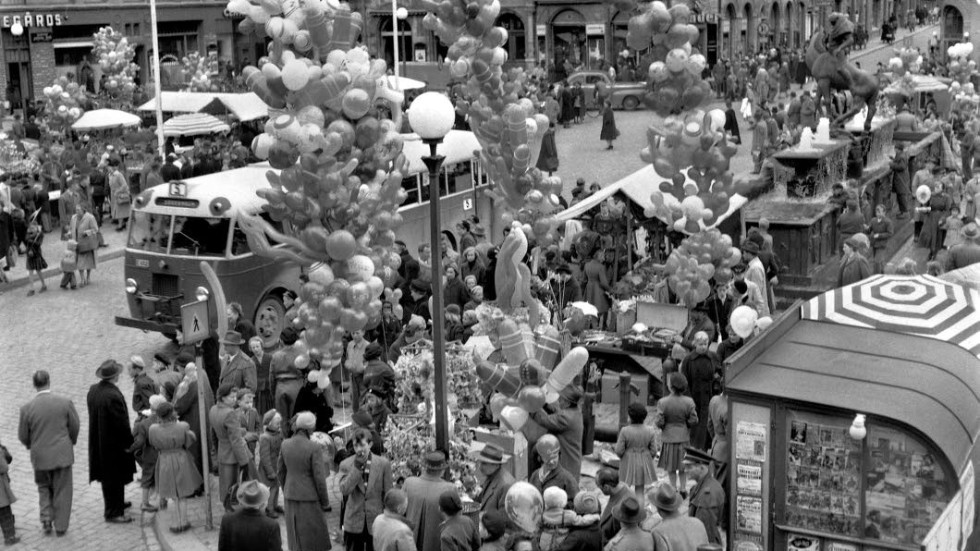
(49, 429)
(109, 439)
(490, 462)
(239, 370)
(229, 447)
(707, 498)
(423, 501)
(249, 529)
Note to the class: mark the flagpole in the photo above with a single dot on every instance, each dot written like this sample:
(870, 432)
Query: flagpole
(156, 78)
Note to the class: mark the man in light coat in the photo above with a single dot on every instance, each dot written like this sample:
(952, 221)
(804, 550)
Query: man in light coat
(228, 446)
(365, 478)
(423, 501)
(677, 532)
(49, 429)
(391, 529)
(756, 272)
(239, 370)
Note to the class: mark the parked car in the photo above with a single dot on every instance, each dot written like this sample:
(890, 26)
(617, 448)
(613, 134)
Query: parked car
(624, 95)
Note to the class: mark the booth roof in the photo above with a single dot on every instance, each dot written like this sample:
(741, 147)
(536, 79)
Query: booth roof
(927, 384)
(246, 106)
(638, 187)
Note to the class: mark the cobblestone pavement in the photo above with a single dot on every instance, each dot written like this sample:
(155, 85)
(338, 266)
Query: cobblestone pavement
(69, 333)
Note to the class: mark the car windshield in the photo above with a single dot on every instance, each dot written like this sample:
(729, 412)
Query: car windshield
(197, 236)
(149, 232)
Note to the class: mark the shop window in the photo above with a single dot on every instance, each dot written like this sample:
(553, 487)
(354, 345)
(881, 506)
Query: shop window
(64, 57)
(907, 488)
(823, 475)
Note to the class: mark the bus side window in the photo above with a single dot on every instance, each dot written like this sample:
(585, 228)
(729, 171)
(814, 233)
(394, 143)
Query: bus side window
(411, 186)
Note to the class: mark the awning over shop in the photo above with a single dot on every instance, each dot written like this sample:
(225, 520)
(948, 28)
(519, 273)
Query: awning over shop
(245, 107)
(894, 368)
(638, 187)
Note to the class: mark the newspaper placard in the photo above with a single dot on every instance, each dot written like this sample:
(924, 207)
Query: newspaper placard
(749, 480)
(750, 441)
(750, 514)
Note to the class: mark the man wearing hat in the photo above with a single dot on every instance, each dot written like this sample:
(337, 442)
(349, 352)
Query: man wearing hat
(755, 272)
(901, 181)
(143, 385)
(630, 536)
(423, 501)
(677, 532)
(497, 480)
(49, 429)
(238, 369)
(967, 251)
(746, 293)
(229, 446)
(109, 439)
(551, 473)
(287, 379)
(457, 532)
(418, 305)
(707, 499)
(248, 529)
(567, 424)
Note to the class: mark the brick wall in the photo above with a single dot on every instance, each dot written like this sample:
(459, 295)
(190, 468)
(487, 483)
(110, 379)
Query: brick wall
(42, 66)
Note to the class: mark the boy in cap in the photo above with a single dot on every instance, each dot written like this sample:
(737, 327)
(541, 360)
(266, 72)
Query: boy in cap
(457, 532)
(707, 498)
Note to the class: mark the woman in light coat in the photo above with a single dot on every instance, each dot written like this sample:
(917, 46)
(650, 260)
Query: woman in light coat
(84, 229)
(119, 195)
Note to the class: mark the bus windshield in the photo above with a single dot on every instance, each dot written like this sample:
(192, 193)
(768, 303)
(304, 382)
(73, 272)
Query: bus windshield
(179, 235)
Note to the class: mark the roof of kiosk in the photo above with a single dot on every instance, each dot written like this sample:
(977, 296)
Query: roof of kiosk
(903, 348)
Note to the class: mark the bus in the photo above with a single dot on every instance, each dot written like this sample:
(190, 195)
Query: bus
(175, 226)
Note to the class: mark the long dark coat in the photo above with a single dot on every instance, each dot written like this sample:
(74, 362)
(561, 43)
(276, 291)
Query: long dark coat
(548, 158)
(608, 131)
(700, 370)
(109, 436)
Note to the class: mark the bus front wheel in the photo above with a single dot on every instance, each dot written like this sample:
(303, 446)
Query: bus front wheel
(270, 318)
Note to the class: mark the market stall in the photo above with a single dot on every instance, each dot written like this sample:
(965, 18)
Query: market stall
(194, 124)
(245, 107)
(886, 460)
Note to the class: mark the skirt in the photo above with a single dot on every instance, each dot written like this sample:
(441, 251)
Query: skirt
(36, 263)
(86, 261)
(637, 468)
(672, 456)
(176, 474)
(306, 526)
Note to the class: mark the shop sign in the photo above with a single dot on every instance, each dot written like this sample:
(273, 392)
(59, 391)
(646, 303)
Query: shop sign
(29, 20)
(541, 30)
(705, 18)
(593, 29)
(42, 36)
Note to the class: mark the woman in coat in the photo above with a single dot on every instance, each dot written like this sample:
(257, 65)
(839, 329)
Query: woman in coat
(176, 475)
(854, 266)
(939, 205)
(263, 362)
(303, 477)
(637, 446)
(548, 158)
(119, 195)
(609, 133)
(84, 230)
(597, 285)
(700, 368)
(472, 265)
(454, 290)
(676, 415)
(186, 406)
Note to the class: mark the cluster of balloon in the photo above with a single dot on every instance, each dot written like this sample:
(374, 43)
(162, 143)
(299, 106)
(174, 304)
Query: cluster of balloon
(694, 155)
(339, 167)
(905, 61)
(63, 102)
(115, 54)
(700, 258)
(745, 321)
(505, 123)
(675, 73)
(197, 71)
(961, 69)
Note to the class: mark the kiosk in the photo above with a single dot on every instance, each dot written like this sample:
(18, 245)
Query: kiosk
(855, 420)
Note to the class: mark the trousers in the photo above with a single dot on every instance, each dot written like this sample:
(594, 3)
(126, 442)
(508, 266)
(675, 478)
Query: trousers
(286, 392)
(227, 477)
(114, 496)
(7, 523)
(54, 489)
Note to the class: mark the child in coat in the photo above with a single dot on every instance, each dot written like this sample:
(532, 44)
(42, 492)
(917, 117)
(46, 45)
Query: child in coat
(952, 225)
(35, 258)
(145, 453)
(637, 447)
(251, 425)
(556, 519)
(7, 498)
(270, 443)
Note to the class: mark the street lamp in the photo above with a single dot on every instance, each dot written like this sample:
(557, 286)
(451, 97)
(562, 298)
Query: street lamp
(16, 29)
(431, 116)
(397, 13)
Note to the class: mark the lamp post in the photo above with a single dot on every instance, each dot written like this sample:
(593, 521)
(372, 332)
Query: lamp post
(431, 117)
(396, 15)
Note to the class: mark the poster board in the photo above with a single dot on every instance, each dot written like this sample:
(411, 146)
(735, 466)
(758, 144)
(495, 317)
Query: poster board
(751, 476)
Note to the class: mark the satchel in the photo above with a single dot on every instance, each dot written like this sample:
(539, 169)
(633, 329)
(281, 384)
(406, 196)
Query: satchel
(69, 261)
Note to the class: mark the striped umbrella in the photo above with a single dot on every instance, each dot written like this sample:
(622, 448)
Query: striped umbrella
(193, 124)
(924, 306)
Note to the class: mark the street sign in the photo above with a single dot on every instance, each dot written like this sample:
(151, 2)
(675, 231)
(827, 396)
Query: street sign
(467, 204)
(194, 321)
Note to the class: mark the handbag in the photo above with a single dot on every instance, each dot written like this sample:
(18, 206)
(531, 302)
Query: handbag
(88, 243)
(123, 198)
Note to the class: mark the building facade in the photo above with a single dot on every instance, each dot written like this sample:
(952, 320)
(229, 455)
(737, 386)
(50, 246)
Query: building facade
(956, 21)
(54, 37)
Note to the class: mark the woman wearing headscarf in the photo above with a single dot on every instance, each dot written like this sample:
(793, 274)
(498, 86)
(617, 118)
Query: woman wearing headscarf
(700, 368)
(854, 266)
(454, 291)
(303, 477)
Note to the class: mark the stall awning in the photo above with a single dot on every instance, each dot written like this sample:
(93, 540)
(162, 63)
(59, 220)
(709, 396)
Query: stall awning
(245, 107)
(638, 187)
(925, 383)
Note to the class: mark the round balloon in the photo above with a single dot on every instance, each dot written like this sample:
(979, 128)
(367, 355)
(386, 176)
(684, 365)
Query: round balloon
(524, 506)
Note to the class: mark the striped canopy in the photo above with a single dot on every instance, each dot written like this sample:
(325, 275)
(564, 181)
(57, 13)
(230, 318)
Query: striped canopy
(924, 306)
(194, 124)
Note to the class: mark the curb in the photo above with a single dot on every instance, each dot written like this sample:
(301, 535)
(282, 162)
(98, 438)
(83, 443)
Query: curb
(893, 45)
(54, 271)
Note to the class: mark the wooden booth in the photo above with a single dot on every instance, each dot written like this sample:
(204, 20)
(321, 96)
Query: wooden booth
(855, 420)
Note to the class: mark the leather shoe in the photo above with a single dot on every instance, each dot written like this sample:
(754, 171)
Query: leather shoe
(280, 510)
(61, 533)
(147, 508)
(11, 541)
(272, 514)
(46, 526)
(121, 519)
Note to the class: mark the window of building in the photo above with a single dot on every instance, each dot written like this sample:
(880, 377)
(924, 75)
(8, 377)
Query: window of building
(516, 46)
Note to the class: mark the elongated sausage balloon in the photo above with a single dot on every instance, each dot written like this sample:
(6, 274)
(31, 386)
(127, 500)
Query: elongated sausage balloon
(547, 346)
(512, 342)
(499, 378)
(565, 372)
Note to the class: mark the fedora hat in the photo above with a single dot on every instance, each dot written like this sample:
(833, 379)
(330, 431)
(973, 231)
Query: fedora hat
(667, 497)
(629, 511)
(478, 231)
(233, 337)
(108, 370)
(970, 231)
(253, 494)
(750, 247)
(492, 453)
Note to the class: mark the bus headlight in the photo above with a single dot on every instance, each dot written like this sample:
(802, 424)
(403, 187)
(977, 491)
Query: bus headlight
(131, 286)
(202, 293)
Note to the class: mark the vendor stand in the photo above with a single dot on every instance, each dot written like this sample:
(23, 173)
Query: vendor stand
(855, 419)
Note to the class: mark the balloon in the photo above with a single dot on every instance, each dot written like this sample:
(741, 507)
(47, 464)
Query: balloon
(356, 103)
(514, 417)
(498, 377)
(763, 323)
(743, 321)
(497, 404)
(547, 346)
(360, 268)
(524, 506)
(923, 194)
(531, 398)
(566, 370)
(295, 75)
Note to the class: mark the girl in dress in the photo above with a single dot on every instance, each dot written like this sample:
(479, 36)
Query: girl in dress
(35, 258)
(952, 226)
(676, 415)
(637, 446)
(176, 475)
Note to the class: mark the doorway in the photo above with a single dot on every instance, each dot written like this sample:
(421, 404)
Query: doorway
(570, 50)
(20, 86)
